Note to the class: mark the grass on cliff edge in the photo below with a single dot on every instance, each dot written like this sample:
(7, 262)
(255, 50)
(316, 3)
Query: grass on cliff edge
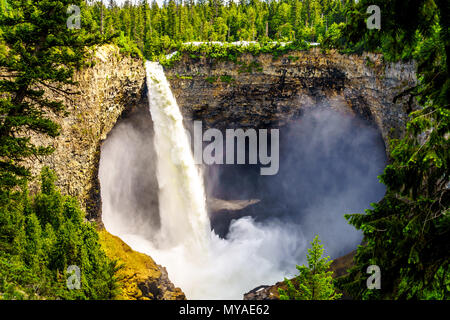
(229, 51)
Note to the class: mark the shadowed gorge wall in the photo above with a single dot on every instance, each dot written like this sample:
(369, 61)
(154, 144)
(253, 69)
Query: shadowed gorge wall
(265, 90)
(112, 86)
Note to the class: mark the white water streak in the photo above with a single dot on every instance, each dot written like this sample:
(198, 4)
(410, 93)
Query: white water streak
(182, 199)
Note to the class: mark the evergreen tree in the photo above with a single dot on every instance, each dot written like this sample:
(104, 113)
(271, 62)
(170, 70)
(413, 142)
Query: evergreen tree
(314, 281)
(40, 237)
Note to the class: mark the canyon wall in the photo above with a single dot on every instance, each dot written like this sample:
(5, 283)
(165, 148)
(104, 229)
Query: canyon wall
(112, 86)
(268, 90)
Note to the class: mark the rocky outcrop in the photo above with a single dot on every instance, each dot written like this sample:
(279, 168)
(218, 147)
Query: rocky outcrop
(140, 278)
(263, 90)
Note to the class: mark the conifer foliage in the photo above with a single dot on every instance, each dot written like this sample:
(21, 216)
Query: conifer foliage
(147, 28)
(40, 237)
(38, 52)
(314, 281)
(408, 232)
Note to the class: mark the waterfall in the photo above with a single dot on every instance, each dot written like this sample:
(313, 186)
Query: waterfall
(182, 199)
(202, 264)
(174, 228)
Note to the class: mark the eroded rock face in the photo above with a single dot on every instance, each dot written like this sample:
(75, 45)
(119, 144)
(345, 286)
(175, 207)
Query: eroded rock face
(114, 85)
(267, 91)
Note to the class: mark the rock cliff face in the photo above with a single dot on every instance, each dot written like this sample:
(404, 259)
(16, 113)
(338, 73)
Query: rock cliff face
(112, 86)
(264, 90)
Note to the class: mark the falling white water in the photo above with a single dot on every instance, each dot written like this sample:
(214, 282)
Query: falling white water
(182, 202)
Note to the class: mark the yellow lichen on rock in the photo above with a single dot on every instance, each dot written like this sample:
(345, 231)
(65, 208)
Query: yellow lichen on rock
(140, 278)
(136, 267)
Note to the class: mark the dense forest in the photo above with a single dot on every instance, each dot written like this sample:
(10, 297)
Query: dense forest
(144, 26)
(43, 234)
(406, 233)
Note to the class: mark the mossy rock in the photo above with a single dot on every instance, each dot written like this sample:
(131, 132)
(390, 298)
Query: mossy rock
(137, 268)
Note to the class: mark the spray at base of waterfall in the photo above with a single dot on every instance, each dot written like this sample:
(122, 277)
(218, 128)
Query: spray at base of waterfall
(253, 254)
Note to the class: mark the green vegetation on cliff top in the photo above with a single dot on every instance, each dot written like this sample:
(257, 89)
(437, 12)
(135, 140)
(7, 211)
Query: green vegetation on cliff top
(148, 29)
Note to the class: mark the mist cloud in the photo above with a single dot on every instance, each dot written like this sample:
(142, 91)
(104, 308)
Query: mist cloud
(329, 164)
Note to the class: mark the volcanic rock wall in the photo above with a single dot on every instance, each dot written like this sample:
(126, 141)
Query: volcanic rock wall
(113, 84)
(266, 90)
